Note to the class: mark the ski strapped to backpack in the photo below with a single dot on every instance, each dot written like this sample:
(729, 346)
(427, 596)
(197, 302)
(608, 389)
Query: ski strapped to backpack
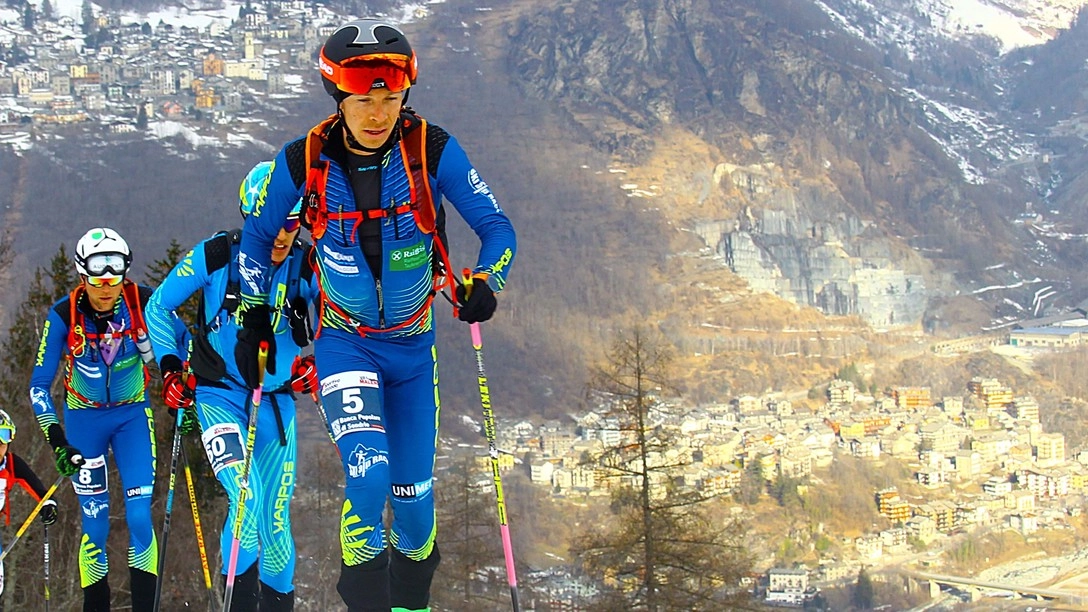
(316, 215)
(78, 334)
(205, 361)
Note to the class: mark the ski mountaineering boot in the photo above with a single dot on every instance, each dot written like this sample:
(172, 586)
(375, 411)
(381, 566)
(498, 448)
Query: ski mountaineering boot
(143, 590)
(96, 596)
(273, 601)
(410, 581)
(365, 587)
(244, 598)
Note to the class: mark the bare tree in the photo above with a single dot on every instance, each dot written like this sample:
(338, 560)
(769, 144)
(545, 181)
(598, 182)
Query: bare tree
(470, 577)
(657, 551)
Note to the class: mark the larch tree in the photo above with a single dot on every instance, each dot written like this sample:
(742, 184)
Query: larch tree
(660, 550)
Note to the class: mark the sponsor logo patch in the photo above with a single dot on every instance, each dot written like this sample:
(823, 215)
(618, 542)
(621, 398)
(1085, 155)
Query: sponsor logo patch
(418, 489)
(363, 458)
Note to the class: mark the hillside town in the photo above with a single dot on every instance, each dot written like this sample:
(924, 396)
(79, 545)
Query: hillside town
(121, 72)
(982, 459)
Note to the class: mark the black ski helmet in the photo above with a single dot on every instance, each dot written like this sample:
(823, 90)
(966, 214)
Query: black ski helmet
(360, 41)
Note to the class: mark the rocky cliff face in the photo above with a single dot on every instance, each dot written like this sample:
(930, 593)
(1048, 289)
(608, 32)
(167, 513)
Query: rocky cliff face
(836, 186)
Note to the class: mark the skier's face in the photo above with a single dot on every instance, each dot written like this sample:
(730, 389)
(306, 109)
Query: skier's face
(282, 246)
(371, 116)
(101, 296)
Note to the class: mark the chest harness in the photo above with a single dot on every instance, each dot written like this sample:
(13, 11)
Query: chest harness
(80, 335)
(413, 152)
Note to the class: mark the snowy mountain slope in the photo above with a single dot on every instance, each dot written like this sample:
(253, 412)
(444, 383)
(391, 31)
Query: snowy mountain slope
(911, 25)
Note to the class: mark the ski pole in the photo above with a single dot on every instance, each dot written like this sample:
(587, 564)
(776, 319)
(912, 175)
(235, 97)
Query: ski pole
(493, 452)
(243, 480)
(45, 549)
(174, 452)
(76, 459)
(196, 520)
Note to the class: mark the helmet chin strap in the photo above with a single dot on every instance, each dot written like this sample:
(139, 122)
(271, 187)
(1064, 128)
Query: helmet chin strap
(352, 142)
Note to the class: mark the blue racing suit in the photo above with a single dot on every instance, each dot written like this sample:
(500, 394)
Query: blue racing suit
(106, 407)
(223, 403)
(375, 346)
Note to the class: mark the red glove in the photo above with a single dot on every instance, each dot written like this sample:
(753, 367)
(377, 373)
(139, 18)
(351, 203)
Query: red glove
(304, 375)
(178, 391)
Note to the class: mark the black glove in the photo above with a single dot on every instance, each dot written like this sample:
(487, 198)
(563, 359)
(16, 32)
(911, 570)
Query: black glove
(48, 512)
(255, 328)
(301, 329)
(479, 303)
(68, 457)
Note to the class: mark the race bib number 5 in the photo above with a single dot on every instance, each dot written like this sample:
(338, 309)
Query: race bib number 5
(91, 477)
(223, 444)
(352, 403)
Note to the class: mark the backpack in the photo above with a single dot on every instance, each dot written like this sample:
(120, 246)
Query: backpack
(203, 359)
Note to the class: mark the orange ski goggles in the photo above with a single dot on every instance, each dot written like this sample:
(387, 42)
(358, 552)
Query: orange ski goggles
(359, 75)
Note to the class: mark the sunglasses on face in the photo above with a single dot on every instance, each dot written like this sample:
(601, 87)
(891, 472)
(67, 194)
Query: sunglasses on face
(291, 224)
(103, 281)
(7, 434)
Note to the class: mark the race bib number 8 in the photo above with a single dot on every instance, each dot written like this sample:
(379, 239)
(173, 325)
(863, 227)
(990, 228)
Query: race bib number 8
(352, 403)
(223, 444)
(91, 479)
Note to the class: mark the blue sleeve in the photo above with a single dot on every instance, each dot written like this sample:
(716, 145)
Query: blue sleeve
(462, 185)
(53, 344)
(167, 331)
(260, 230)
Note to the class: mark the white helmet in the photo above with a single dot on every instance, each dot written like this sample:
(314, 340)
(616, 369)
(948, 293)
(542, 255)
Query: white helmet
(102, 252)
(7, 428)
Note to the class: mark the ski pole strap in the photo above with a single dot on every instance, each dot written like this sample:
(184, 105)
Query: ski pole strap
(279, 419)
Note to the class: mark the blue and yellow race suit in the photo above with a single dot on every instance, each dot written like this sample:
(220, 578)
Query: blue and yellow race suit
(223, 405)
(375, 348)
(106, 407)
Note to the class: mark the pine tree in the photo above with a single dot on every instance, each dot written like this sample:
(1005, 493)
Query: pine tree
(88, 24)
(47, 9)
(29, 17)
(862, 597)
(141, 117)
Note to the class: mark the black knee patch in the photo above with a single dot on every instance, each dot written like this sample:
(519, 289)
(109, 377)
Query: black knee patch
(410, 581)
(96, 596)
(274, 601)
(365, 587)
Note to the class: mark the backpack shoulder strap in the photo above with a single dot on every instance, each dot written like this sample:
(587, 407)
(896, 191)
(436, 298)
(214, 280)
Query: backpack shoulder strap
(68, 310)
(299, 270)
(315, 213)
(232, 296)
(63, 309)
(134, 299)
(219, 251)
(414, 152)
